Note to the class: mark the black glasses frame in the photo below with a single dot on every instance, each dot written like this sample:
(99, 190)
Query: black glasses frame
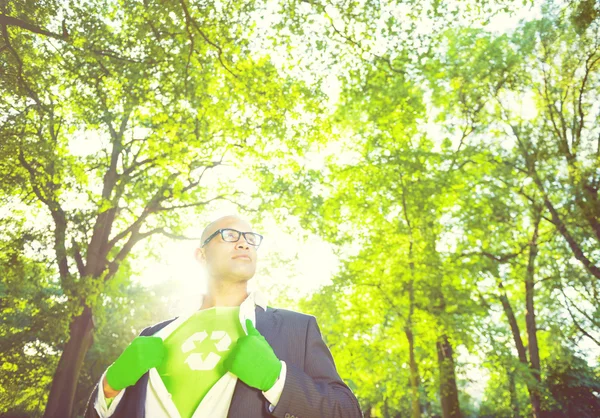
(240, 233)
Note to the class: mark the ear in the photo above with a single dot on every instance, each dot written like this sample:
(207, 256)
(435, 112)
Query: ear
(199, 255)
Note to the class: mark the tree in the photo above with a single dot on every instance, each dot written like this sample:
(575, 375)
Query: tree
(112, 121)
(462, 199)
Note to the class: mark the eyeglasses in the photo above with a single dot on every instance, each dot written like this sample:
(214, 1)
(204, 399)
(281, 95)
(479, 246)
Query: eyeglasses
(233, 235)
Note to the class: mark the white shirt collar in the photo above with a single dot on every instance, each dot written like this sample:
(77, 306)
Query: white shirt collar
(247, 311)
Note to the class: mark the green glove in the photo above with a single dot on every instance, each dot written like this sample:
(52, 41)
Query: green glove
(140, 356)
(253, 360)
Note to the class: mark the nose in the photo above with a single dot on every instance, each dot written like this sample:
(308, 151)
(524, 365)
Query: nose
(242, 244)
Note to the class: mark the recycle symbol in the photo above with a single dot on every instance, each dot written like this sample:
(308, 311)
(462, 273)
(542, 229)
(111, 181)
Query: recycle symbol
(195, 361)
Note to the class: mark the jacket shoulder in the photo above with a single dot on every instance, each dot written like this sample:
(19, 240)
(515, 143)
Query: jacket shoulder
(153, 329)
(288, 314)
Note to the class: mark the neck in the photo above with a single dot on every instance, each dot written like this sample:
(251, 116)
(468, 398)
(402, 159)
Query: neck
(225, 294)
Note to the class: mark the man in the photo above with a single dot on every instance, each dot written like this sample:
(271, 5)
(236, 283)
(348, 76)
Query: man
(234, 357)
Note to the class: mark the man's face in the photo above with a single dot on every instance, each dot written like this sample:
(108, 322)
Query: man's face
(231, 261)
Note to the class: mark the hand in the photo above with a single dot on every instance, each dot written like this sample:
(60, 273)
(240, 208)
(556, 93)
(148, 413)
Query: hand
(253, 360)
(140, 356)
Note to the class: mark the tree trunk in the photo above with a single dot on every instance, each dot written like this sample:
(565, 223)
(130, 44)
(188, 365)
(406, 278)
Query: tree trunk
(408, 328)
(514, 400)
(514, 325)
(64, 383)
(534, 355)
(414, 374)
(522, 353)
(448, 388)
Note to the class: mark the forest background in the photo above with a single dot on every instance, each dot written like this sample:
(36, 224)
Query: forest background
(425, 173)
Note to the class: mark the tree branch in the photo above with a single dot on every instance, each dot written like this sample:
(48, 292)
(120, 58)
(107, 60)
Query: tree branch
(32, 94)
(588, 67)
(503, 258)
(13, 21)
(169, 234)
(579, 327)
(151, 207)
(78, 258)
(58, 216)
(6, 21)
(188, 20)
(193, 204)
(556, 219)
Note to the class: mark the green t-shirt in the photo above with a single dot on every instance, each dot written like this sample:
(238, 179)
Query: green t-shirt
(195, 354)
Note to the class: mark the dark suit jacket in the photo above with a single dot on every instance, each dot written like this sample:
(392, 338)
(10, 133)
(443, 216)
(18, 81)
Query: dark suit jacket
(312, 387)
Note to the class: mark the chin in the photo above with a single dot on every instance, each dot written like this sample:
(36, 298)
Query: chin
(245, 274)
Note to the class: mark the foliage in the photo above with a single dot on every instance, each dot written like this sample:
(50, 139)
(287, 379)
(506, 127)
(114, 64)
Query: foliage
(453, 167)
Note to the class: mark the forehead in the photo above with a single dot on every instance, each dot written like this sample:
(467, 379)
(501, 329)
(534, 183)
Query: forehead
(235, 223)
(232, 222)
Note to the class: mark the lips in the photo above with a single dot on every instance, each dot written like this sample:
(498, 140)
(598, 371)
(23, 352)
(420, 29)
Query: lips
(241, 256)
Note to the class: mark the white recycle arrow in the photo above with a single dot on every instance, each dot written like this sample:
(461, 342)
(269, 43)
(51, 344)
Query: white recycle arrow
(224, 340)
(190, 343)
(195, 361)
